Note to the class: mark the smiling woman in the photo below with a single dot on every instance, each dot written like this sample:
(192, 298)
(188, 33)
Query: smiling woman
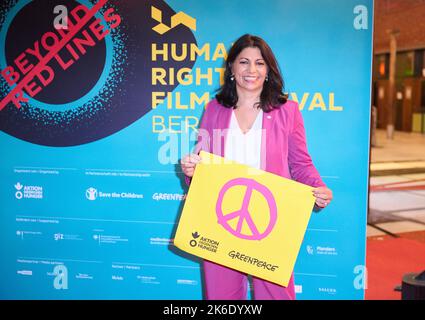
(252, 122)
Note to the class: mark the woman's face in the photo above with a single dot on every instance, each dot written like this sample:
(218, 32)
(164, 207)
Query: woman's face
(250, 70)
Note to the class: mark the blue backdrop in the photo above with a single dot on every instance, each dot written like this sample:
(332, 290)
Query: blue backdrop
(90, 187)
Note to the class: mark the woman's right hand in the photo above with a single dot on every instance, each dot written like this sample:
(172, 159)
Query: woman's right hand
(188, 164)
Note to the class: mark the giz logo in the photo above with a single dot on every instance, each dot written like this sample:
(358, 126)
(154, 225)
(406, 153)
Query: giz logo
(58, 236)
(176, 19)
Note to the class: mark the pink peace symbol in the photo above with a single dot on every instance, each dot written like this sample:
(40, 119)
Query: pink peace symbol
(243, 212)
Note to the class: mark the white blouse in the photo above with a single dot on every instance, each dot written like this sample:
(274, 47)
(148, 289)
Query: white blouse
(244, 148)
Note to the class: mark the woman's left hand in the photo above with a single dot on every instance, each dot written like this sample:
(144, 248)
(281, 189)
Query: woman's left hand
(323, 196)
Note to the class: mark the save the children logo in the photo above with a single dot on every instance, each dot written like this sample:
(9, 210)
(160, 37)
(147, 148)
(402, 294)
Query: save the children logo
(91, 194)
(74, 85)
(248, 224)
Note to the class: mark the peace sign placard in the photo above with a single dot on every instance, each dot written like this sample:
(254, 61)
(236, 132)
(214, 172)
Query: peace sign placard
(243, 213)
(243, 218)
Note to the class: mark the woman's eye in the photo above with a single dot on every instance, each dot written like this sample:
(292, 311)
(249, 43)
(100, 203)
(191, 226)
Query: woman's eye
(260, 63)
(244, 62)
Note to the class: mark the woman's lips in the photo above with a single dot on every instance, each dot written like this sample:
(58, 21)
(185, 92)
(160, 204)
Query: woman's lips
(250, 78)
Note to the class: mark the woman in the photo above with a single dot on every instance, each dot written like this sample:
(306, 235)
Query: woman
(262, 129)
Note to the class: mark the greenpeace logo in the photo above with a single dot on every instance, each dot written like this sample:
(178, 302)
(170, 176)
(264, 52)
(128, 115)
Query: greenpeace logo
(168, 196)
(253, 261)
(28, 192)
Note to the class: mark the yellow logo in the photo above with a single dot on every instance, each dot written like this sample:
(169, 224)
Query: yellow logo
(178, 18)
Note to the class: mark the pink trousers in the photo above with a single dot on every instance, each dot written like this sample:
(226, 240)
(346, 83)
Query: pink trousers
(222, 283)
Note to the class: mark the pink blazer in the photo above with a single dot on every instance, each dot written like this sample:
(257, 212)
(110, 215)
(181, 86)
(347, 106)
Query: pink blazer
(283, 146)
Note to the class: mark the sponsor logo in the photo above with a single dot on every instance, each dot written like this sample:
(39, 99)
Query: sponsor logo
(298, 289)
(193, 242)
(93, 194)
(109, 239)
(310, 250)
(58, 236)
(168, 196)
(26, 233)
(84, 276)
(253, 261)
(161, 241)
(203, 243)
(319, 250)
(148, 279)
(187, 282)
(24, 272)
(61, 236)
(326, 251)
(330, 291)
(28, 192)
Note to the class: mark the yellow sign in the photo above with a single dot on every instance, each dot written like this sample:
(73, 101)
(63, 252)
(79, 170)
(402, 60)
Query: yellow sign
(244, 218)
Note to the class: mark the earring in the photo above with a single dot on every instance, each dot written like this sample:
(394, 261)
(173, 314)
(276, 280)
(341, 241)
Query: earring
(267, 78)
(232, 77)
